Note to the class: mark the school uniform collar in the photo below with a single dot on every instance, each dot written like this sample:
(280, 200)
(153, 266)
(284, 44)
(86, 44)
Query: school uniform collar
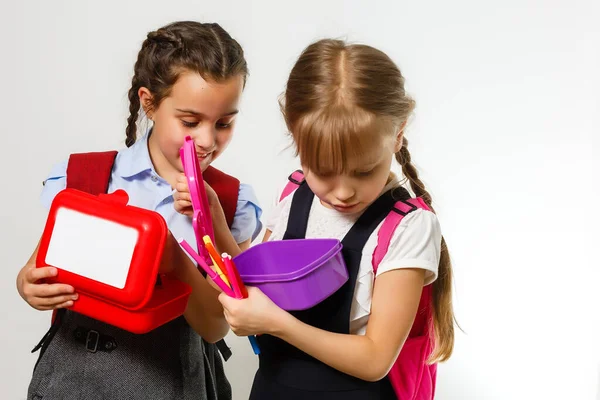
(135, 160)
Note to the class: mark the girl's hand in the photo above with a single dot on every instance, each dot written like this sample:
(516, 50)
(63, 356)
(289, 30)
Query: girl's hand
(255, 315)
(43, 296)
(183, 200)
(213, 198)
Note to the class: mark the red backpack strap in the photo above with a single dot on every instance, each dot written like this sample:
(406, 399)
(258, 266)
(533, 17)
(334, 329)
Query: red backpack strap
(295, 179)
(227, 188)
(90, 172)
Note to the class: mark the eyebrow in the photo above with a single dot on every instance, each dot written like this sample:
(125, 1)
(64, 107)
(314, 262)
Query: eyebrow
(199, 114)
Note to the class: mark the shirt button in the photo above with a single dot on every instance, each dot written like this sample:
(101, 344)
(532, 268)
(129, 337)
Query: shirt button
(153, 178)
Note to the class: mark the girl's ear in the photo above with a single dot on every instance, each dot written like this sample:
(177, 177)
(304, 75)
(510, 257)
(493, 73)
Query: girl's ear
(146, 99)
(399, 138)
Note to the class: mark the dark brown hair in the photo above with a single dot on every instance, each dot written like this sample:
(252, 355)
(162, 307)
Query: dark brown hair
(206, 49)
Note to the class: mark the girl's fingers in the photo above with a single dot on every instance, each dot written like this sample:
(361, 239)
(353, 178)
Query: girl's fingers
(51, 290)
(182, 187)
(35, 274)
(184, 197)
(53, 302)
(65, 304)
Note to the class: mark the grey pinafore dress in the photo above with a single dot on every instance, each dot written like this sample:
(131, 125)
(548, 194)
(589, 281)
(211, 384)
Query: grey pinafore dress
(82, 358)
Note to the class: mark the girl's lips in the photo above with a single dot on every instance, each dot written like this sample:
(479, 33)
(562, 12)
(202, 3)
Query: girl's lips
(344, 207)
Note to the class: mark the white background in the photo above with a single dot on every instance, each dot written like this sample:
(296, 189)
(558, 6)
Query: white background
(505, 134)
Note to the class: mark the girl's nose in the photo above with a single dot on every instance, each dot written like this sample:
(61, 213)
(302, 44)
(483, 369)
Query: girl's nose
(344, 192)
(205, 139)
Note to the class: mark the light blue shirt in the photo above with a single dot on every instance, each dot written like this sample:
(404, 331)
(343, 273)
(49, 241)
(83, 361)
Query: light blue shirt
(133, 172)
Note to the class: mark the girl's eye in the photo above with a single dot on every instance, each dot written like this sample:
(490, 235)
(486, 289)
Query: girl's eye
(325, 175)
(363, 174)
(189, 124)
(224, 124)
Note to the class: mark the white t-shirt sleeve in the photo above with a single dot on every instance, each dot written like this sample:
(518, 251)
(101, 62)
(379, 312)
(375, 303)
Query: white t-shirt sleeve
(277, 209)
(416, 243)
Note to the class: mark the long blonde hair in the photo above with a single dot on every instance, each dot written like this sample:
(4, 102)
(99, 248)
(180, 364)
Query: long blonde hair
(339, 100)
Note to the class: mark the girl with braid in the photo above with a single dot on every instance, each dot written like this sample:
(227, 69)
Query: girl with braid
(382, 333)
(188, 79)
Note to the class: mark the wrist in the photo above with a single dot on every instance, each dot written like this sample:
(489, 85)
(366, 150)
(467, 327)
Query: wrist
(216, 210)
(282, 323)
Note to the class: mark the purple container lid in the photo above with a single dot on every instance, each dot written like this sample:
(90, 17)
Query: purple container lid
(266, 262)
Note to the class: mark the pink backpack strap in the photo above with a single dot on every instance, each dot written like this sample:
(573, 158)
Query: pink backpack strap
(391, 222)
(294, 180)
(410, 376)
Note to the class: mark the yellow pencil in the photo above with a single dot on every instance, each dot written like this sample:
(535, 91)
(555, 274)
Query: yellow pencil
(217, 262)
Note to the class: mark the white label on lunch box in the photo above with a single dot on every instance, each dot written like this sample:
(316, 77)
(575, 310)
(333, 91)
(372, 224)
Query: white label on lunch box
(91, 247)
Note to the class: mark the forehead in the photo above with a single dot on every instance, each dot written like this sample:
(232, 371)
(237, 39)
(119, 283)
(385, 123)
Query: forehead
(192, 91)
(341, 145)
(368, 156)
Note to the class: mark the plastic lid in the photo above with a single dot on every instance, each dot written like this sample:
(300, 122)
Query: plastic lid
(294, 275)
